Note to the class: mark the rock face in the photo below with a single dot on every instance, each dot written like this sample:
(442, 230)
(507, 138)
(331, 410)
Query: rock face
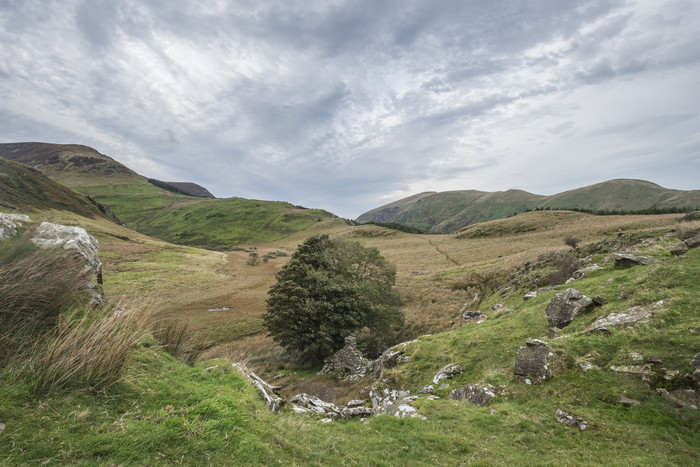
(9, 224)
(571, 420)
(633, 260)
(475, 394)
(70, 238)
(565, 306)
(532, 362)
(448, 372)
(348, 362)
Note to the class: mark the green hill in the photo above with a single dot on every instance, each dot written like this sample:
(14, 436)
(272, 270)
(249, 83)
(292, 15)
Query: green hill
(168, 214)
(24, 189)
(452, 210)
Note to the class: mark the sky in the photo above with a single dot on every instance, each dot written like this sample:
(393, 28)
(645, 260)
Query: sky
(347, 105)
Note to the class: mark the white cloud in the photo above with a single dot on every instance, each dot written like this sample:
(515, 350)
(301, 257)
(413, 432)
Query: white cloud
(346, 105)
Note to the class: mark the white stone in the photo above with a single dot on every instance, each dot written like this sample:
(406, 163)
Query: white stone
(9, 224)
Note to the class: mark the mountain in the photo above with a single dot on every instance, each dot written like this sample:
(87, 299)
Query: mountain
(452, 210)
(164, 211)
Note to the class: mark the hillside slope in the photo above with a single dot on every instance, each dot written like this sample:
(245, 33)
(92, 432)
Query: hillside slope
(24, 189)
(450, 211)
(175, 217)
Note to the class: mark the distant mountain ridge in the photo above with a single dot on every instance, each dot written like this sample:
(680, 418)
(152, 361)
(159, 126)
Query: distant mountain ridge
(449, 211)
(174, 212)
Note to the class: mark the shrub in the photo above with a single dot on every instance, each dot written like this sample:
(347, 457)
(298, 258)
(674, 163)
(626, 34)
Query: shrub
(572, 241)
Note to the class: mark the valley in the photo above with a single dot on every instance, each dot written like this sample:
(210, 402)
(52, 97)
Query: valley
(166, 412)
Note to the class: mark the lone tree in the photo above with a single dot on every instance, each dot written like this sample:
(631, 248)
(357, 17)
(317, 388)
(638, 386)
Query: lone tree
(328, 290)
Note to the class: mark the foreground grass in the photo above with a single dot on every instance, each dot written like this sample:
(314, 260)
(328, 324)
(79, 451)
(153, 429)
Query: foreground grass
(168, 413)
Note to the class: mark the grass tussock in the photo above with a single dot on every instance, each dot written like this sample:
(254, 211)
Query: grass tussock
(176, 339)
(85, 352)
(35, 287)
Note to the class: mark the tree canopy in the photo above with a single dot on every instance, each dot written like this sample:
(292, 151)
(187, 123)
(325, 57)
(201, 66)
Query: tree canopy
(328, 290)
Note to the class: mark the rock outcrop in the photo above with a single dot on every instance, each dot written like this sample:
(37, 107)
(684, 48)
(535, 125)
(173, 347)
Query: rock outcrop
(69, 238)
(448, 372)
(628, 261)
(390, 358)
(475, 394)
(532, 362)
(691, 239)
(9, 223)
(632, 315)
(565, 306)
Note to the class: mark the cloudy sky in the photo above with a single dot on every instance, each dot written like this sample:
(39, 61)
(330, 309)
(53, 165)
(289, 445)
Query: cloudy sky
(350, 104)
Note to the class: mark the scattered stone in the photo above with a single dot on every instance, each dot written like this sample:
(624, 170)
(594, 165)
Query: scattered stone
(475, 394)
(279, 376)
(496, 306)
(2, 427)
(356, 403)
(683, 398)
(628, 261)
(695, 362)
(553, 331)
(571, 420)
(326, 420)
(565, 306)
(390, 358)
(364, 421)
(427, 390)
(448, 372)
(493, 411)
(532, 362)
(348, 363)
(473, 315)
(628, 402)
(305, 403)
(443, 386)
(637, 357)
(9, 223)
(609, 281)
(579, 273)
(654, 359)
(644, 370)
(632, 315)
(273, 402)
(584, 366)
(530, 295)
(570, 280)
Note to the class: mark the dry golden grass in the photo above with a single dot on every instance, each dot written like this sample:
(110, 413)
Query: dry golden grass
(187, 282)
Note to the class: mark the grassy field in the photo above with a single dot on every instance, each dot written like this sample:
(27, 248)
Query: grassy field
(166, 413)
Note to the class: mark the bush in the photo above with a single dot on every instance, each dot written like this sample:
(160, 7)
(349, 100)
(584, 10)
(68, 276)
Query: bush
(329, 289)
(572, 241)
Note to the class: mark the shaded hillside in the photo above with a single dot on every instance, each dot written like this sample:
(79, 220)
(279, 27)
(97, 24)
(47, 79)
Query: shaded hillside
(24, 189)
(70, 164)
(162, 213)
(452, 210)
(192, 189)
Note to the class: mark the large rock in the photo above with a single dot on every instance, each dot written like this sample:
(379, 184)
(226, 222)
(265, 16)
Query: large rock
(347, 363)
(565, 306)
(532, 362)
(448, 372)
(475, 394)
(390, 358)
(627, 261)
(691, 239)
(70, 238)
(632, 315)
(9, 223)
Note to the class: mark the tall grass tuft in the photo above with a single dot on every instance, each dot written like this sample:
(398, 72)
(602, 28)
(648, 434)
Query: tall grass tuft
(35, 287)
(174, 337)
(85, 351)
